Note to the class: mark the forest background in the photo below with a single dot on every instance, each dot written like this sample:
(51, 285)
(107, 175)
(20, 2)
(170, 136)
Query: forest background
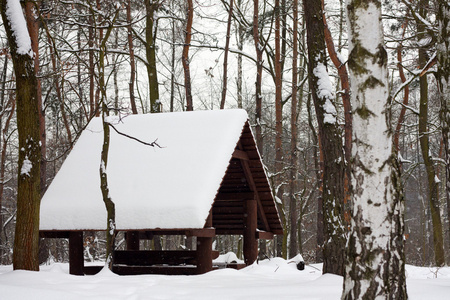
(161, 56)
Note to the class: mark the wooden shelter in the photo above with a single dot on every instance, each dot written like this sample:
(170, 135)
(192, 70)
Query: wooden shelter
(207, 179)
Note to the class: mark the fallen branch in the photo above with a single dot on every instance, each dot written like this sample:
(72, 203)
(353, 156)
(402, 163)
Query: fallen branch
(152, 144)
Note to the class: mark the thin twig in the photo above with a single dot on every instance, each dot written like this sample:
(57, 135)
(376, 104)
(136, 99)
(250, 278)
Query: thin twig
(152, 144)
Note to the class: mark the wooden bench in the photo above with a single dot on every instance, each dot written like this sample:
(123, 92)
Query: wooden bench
(167, 262)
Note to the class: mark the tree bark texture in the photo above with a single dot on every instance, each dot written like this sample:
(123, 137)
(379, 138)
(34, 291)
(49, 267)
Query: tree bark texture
(185, 57)
(281, 240)
(345, 95)
(150, 47)
(225, 58)
(132, 60)
(258, 82)
(433, 188)
(375, 264)
(26, 241)
(293, 229)
(401, 117)
(33, 30)
(443, 74)
(109, 204)
(330, 141)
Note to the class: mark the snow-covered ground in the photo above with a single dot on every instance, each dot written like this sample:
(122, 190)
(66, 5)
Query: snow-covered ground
(270, 279)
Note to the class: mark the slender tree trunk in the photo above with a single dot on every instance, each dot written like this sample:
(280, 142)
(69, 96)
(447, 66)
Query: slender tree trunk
(58, 91)
(405, 93)
(172, 69)
(150, 47)
(26, 241)
(240, 46)
(91, 34)
(443, 74)
(11, 105)
(115, 74)
(132, 60)
(225, 58)
(375, 263)
(281, 245)
(330, 141)
(109, 204)
(185, 57)
(433, 192)
(293, 215)
(259, 68)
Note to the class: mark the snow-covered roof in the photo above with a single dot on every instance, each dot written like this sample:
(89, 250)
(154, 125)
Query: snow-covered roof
(169, 187)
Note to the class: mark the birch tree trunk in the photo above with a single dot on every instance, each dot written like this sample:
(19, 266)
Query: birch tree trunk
(375, 265)
(26, 241)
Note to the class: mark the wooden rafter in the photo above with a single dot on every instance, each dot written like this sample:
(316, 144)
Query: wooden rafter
(251, 182)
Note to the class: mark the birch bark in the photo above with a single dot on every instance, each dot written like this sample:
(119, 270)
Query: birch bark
(375, 266)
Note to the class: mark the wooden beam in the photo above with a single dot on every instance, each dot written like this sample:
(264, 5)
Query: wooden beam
(264, 235)
(76, 260)
(249, 177)
(200, 232)
(54, 234)
(205, 232)
(132, 238)
(234, 196)
(250, 225)
(239, 154)
(204, 249)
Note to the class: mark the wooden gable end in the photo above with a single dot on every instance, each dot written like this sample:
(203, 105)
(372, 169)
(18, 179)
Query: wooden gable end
(245, 179)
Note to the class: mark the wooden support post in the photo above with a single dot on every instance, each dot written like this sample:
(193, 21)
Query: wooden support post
(204, 250)
(250, 225)
(132, 238)
(76, 261)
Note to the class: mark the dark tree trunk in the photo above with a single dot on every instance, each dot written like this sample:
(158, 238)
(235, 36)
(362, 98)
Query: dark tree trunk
(281, 240)
(185, 57)
(433, 189)
(293, 215)
(330, 142)
(132, 61)
(259, 68)
(150, 47)
(225, 58)
(443, 74)
(26, 241)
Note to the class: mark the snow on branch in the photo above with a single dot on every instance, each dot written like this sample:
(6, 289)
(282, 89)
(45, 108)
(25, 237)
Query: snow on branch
(19, 28)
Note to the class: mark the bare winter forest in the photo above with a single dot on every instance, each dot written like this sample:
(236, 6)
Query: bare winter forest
(296, 67)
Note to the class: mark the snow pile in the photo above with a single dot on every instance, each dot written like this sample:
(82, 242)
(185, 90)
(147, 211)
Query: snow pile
(169, 187)
(270, 279)
(228, 258)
